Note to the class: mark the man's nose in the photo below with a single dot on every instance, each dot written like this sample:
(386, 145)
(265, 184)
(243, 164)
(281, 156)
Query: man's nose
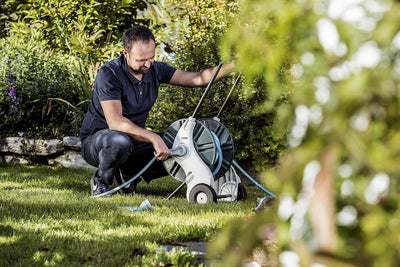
(147, 64)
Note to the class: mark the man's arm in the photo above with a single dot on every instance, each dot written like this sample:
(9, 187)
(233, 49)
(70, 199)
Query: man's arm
(116, 121)
(198, 79)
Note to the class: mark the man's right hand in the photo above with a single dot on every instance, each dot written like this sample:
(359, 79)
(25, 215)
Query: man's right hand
(161, 152)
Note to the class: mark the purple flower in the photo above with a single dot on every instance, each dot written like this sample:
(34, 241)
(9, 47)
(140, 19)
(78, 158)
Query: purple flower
(20, 134)
(10, 80)
(12, 93)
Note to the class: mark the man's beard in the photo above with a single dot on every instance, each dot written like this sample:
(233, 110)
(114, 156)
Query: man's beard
(141, 70)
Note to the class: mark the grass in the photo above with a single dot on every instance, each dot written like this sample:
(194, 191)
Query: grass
(47, 218)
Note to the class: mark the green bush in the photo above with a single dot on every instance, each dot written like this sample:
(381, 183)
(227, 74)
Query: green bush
(86, 30)
(52, 39)
(36, 92)
(189, 35)
(80, 27)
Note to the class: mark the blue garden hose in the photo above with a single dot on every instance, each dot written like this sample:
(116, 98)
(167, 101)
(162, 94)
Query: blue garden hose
(254, 181)
(127, 182)
(219, 153)
(219, 157)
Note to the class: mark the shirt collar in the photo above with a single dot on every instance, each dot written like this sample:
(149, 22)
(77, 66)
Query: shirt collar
(146, 78)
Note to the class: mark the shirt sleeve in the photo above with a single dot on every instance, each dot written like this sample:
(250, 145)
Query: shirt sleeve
(107, 86)
(165, 72)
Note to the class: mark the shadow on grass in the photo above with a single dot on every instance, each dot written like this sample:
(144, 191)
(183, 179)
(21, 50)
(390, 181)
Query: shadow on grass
(39, 248)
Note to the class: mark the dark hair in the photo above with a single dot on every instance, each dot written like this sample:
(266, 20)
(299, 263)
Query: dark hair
(134, 34)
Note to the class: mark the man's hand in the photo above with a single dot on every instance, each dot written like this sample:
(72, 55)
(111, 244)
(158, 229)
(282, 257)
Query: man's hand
(116, 121)
(161, 152)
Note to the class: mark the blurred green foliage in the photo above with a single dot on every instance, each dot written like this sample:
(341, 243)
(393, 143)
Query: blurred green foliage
(341, 61)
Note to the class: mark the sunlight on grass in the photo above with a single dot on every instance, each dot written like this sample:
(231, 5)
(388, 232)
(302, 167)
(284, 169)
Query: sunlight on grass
(8, 240)
(47, 217)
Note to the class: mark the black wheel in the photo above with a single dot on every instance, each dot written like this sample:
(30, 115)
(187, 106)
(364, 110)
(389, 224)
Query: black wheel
(242, 193)
(202, 194)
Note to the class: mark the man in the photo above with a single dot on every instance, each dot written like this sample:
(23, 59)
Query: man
(113, 133)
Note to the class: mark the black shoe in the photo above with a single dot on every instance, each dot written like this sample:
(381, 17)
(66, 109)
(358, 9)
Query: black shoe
(98, 187)
(119, 180)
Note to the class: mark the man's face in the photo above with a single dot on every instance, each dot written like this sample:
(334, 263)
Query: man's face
(141, 56)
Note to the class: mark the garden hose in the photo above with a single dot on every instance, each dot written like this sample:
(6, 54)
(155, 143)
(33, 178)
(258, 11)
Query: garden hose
(127, 182)
(219, 157)
(219, 152)
(252, 179)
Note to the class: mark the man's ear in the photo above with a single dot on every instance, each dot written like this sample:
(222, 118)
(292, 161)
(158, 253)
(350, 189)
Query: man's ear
(124, 51)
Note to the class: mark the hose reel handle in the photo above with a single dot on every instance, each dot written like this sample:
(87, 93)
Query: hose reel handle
(207, 88)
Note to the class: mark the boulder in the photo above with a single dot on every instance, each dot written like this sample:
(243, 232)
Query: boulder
(23, 146)
(71, 159)
(72, 142)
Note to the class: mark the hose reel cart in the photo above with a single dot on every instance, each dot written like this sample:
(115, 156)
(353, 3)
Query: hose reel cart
(202, 152)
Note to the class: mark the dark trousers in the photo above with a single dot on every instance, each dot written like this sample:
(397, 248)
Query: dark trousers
(109, 150)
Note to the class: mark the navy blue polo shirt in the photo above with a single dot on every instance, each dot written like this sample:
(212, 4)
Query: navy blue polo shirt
(115, 82)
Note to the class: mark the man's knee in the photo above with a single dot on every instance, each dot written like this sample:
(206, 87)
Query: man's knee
(118, 141)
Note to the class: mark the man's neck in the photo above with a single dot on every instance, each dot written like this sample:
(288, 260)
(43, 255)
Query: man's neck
(138, 76)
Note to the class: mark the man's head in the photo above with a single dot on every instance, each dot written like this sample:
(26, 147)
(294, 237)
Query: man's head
(139, 49)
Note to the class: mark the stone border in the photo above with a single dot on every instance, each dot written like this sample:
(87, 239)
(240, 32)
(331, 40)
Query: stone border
(53, 152)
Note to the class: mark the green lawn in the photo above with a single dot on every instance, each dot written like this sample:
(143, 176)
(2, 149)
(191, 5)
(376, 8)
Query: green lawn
(48, 218)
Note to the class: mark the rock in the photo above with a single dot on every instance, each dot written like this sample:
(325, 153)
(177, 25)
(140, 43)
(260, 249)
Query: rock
(24, 146)
(16, 160)
(72, 142)
(64, 152)
(71, 159)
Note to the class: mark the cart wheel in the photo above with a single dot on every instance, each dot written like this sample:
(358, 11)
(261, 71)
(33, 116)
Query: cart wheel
(242, 193)
(202, 194)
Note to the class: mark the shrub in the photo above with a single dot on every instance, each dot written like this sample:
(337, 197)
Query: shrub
(40, 94)
(81, 27)
(189, 35)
